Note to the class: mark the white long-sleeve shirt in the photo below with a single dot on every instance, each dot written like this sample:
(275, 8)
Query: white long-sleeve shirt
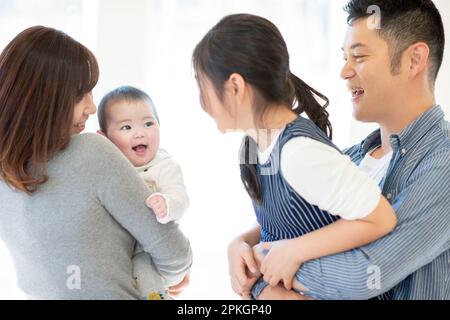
(164, 177)
(326, 178)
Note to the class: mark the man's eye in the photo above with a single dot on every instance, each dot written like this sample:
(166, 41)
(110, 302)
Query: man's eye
(125, 128)
(149, 124)
(358, 58)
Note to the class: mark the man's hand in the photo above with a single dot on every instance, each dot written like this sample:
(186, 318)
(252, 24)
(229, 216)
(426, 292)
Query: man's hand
(259, 253)
(240, 262)
(158, 204)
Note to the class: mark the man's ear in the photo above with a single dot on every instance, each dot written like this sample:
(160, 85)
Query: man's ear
(100, 132)
(418, 57)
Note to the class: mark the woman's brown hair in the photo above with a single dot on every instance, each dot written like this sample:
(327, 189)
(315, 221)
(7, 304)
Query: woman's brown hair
(44, 73)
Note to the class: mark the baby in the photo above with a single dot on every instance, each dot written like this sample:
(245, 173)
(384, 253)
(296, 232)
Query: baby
(128, 118)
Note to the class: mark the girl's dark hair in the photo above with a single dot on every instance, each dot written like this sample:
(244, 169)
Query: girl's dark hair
(127, 93)
(44, 73)
(254, 48)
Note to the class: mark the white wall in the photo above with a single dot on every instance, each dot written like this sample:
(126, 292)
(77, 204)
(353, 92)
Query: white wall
(122, 42)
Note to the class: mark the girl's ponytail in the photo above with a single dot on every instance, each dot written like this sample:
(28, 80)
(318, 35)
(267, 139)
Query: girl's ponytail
(307, 102)
(247, 164)
(305, 96)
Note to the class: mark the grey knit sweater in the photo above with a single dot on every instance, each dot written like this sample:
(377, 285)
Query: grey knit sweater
(74, 238)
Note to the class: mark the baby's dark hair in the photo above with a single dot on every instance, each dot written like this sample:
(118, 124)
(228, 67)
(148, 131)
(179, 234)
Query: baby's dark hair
(127, 93)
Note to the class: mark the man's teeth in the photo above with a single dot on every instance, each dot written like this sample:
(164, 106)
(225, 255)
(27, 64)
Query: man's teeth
(357, 92)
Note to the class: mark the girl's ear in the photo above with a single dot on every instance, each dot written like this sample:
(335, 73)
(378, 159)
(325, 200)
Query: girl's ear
(239, 104)
(237, 86)
(100, 132)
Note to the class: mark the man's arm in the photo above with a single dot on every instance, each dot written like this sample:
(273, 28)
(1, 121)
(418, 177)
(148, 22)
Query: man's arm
(423, 234)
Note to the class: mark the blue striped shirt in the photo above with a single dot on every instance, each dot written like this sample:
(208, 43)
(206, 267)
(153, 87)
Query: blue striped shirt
(413, 262)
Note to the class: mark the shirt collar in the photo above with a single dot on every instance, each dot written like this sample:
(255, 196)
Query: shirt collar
(406, 140)
(371, 142)
(144, 168)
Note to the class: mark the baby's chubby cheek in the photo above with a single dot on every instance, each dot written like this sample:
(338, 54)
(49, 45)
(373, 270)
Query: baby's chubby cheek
(154, 145)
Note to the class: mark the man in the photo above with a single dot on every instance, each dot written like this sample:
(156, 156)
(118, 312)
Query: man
(392, 62)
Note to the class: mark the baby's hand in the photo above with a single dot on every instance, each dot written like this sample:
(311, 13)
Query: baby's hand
(158, 204)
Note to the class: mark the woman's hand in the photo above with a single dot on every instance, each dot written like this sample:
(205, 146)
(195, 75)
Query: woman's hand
(177, 289)
(281, 262)
(240, 262)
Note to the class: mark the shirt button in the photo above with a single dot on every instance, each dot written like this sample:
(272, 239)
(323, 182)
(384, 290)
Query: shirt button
(389, 196)
(403, 152)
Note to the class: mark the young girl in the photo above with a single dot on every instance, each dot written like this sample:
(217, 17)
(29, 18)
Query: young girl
(299, 182)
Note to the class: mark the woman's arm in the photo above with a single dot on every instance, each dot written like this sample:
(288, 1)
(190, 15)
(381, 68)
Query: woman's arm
(120, 189)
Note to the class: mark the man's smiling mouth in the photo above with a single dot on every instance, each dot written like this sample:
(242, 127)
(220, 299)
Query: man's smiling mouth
(356, 92)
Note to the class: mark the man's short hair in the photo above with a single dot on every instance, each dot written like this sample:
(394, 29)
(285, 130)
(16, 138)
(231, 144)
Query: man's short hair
(403, 23)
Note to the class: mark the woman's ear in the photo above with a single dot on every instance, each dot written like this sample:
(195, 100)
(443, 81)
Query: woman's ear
(418, 58)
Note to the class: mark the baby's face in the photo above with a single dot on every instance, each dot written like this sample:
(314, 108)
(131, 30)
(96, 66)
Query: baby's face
(133, 128)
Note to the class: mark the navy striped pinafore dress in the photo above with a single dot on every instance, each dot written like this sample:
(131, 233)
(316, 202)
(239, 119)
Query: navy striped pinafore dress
(283, 213)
